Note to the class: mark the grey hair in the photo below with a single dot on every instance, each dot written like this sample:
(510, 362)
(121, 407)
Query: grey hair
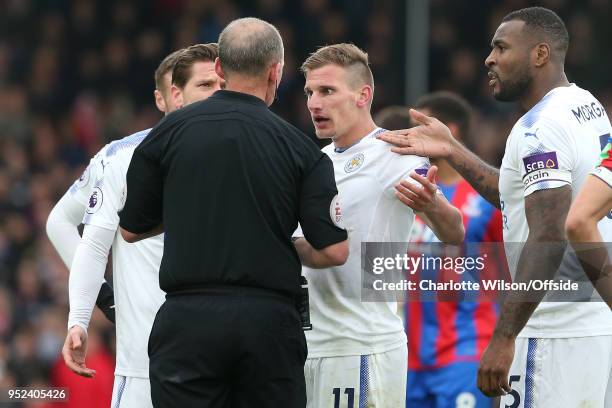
(249, 46)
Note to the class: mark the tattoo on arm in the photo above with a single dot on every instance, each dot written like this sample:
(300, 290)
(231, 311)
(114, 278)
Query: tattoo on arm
(540, 257)
(483, 177)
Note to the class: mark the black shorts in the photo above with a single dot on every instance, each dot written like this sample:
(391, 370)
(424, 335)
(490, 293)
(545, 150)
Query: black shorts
(227, 350)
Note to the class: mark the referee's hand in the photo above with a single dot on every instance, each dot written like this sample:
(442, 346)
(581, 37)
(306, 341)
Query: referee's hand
(75, 350)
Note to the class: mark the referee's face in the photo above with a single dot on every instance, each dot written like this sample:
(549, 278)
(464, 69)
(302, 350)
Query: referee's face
(331, 101)
(203, 82)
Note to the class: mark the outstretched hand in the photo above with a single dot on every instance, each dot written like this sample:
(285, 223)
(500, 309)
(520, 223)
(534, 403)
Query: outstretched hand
(430, 138)
(75, 350)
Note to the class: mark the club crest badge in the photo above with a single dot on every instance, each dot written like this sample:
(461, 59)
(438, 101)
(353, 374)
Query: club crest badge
(354, 163)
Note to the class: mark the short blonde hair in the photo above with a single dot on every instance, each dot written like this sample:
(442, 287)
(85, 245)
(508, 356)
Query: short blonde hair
(346, 55)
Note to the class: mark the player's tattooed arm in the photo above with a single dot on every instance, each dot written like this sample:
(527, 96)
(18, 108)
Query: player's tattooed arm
(433, 138)
(482, 176)
(540, 258)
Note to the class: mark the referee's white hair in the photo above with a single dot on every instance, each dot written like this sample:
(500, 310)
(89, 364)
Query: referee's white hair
(249, 46)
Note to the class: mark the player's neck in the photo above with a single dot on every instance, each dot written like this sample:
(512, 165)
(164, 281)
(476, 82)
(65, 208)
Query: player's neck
(541, 86)
(356, 133)
(446, 174)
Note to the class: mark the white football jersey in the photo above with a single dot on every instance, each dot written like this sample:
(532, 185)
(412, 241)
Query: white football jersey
(556, 143)
(343, 325)
(135, 266)
(81, 188)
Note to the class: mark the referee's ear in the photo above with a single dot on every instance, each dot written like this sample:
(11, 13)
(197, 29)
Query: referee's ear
(276, 74)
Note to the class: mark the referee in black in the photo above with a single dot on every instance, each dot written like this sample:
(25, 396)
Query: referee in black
(228, 181)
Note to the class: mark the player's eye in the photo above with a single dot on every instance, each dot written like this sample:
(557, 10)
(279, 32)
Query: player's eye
(308, 93)
(327, 91)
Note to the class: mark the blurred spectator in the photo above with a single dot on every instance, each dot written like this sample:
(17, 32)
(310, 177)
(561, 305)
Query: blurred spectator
(87, 392)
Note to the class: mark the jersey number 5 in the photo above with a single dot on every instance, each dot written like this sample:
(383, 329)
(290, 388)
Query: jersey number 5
(514, 393)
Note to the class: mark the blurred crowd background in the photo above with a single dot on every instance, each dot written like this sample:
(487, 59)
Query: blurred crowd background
(75, 75)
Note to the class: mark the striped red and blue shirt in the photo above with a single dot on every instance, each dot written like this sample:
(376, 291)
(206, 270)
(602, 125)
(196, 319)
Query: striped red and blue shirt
(442, 333)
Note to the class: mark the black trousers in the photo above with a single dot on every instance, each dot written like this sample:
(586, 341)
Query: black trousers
(227, 350)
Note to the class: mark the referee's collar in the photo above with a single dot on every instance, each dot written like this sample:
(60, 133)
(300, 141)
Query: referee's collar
(233, 95)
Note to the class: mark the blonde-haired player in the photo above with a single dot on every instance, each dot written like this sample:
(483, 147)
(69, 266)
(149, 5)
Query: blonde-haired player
(357, 351)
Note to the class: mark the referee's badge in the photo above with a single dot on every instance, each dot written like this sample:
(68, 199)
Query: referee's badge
(335, 211)
(354, 163)
(95, 200)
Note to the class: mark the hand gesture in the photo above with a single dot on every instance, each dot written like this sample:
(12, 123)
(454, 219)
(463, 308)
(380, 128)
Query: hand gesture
(421, 197)
(431, 138)
(75, 350)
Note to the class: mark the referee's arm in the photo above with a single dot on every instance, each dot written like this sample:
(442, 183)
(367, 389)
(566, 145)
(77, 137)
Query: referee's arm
(134, 237)
(141, 216)
(325, 243)
(332, 255)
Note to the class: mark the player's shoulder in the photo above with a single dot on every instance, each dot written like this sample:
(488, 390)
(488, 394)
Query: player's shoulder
(374, 145)
(382, 151)
(125, 146)
(545, 123)
(563, 108)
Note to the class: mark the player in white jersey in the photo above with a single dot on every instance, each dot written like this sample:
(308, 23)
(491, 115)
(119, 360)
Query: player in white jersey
(357, 350)
(66, 216)
(563, 352)
(135, 266)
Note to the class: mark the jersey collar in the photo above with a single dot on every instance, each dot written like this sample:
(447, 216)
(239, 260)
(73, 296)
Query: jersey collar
(376, 131)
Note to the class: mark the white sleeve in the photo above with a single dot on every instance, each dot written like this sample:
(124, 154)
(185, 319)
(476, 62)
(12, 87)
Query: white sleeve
(62, 226)
(603, 173)
(81, 188)
(107, 197)
(546, 155)
(87, 273)
(396, 167)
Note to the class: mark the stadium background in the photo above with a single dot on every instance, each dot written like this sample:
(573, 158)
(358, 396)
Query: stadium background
(75, 75)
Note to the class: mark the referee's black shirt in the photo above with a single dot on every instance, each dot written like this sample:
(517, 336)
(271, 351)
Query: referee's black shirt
(230, 181)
